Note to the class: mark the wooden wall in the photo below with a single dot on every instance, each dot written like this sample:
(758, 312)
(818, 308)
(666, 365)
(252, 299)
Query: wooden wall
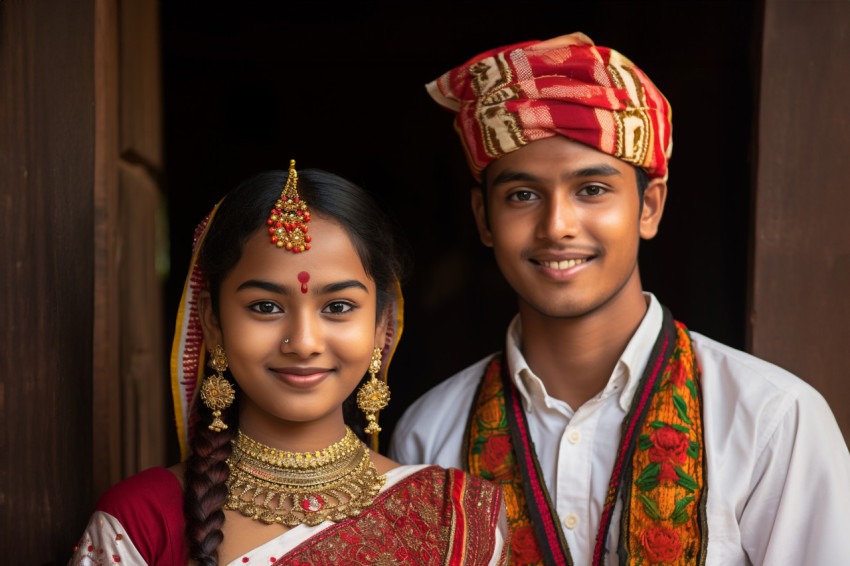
(83, 378)
(47, 266)
(143, 373)
(130, 376)
(800, 292)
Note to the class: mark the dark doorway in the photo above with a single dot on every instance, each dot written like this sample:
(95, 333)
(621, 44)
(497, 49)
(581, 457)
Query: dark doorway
(339, 86)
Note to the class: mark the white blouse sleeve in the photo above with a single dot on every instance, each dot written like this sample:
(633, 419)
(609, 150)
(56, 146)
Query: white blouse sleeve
(105, 542)
(503, 537)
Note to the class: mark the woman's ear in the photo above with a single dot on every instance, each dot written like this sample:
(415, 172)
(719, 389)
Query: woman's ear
(654, 198)
(209, 321)
(381, 328)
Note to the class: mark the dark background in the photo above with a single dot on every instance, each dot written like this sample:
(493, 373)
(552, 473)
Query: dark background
(341, 87)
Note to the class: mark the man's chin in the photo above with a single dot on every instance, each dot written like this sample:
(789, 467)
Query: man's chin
(561, 310)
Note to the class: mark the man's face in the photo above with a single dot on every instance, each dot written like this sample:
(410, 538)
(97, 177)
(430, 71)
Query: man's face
(565, 221)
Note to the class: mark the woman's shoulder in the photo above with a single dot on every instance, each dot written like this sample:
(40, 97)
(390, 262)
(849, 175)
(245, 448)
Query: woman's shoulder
(451, 475)
(154, 489)
(471, 508)
(149, 506)
(457, 488)
(478, 493)
(138, 521)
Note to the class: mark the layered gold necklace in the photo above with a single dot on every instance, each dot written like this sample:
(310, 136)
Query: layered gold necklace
(291, 488)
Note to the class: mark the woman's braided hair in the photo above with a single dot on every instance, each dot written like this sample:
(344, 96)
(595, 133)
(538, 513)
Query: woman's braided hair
(205, 484)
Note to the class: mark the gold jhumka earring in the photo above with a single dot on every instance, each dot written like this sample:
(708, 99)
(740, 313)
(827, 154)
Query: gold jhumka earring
(217, 393)
(373, 395)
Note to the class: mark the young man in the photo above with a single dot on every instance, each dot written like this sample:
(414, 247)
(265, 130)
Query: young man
(616, 435)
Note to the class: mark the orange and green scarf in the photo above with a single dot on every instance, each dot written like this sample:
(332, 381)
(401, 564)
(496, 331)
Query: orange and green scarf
(659, 471)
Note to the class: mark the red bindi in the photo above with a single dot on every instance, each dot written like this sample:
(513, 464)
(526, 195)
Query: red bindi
(303, 277)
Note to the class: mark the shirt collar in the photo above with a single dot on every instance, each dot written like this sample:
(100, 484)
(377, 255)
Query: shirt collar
(531, 389)
(626, 375)
(636, 355)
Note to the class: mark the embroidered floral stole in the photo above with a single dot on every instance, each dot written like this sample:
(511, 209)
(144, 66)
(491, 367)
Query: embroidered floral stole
(434, 517)
(659, 470)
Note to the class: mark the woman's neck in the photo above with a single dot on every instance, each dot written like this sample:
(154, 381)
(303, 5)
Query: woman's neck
(291, 436)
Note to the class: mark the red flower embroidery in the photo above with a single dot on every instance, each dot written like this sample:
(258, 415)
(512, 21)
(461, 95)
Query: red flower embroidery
(667, 472)
(668, 445)
(524, 547)
(679, 374)
(496, 453)
(660, 544)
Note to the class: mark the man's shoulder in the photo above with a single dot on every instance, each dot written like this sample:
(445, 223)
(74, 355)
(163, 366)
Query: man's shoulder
(431, 429)
(763, 397)
(772, 445)
(460, 386)
(736, 367)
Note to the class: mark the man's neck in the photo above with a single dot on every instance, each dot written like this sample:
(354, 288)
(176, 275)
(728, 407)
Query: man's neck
(575, 357)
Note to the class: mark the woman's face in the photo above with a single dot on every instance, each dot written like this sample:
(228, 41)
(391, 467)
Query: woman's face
(298, 329)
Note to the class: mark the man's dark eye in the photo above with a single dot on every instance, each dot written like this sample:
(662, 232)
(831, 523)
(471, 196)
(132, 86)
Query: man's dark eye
(593, 191)
(523, 196)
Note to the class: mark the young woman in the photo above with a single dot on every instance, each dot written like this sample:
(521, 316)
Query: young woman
(293, 293)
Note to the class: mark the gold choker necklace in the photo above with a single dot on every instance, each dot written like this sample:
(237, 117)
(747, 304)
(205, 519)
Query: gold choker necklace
(291, 488)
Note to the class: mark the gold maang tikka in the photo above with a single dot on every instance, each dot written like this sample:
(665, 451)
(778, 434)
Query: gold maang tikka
(373, 395)
(289, 217)
(217, 393)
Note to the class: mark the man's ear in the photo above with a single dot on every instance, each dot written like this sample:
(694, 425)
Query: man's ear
(479, 209)
(654, 198)
(209, 321)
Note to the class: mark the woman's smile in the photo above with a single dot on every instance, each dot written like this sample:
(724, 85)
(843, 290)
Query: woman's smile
(301, 377)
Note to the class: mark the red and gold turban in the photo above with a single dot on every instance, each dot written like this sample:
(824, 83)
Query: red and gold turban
(509, 97)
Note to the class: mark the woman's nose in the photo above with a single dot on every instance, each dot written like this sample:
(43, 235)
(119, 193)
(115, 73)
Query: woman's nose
(303, 335)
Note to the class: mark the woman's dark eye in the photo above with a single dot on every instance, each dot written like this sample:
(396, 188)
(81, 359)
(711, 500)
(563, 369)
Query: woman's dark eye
(265, 307)
(337, 307)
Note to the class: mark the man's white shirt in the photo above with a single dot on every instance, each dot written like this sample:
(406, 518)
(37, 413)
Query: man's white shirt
(777, 466)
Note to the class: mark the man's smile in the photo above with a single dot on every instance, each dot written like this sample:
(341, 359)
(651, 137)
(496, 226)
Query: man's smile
(563, 264)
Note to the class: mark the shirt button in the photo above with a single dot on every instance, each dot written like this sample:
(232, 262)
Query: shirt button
(574, 436)
(571, 521)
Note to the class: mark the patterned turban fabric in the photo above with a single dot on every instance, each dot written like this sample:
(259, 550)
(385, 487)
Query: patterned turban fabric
(509, 97)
